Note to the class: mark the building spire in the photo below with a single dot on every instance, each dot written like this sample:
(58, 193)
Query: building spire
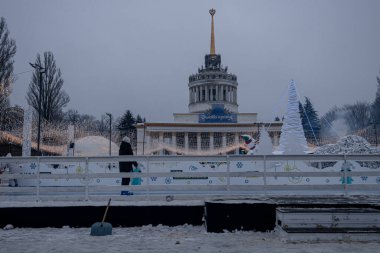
(212, 45)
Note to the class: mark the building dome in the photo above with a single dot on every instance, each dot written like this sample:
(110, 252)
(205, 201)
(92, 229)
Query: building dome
(212, 84)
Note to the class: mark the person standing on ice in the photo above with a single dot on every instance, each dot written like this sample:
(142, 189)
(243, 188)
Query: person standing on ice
(126, 149)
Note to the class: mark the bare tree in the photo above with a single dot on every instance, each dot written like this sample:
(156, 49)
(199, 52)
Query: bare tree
(358, 115)
(53, 98)
(7, 51)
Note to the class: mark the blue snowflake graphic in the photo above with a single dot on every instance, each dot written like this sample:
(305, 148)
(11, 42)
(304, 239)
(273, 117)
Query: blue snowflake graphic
(364, 178)
(33, 166)
(168, 180)
(239, 165)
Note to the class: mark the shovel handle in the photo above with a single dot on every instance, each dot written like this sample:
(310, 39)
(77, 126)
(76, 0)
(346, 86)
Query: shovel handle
(105, 213)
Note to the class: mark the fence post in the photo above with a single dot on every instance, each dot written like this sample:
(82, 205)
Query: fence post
(38, 180)
(86, 180)
(228, 175)
(345, 179)
(265, 176)
(147, 179)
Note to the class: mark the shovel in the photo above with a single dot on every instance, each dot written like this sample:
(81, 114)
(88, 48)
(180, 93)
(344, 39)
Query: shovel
(102, 228)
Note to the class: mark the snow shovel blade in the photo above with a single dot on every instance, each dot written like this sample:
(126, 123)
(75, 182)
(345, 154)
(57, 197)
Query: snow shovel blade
(101, 229)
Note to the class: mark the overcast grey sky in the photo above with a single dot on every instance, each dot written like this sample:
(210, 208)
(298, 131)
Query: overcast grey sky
(118, 55)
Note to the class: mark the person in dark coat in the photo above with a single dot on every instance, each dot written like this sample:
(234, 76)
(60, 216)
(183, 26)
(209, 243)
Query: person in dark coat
(126, 149)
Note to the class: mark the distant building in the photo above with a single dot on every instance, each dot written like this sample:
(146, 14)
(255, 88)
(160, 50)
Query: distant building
(213, 124)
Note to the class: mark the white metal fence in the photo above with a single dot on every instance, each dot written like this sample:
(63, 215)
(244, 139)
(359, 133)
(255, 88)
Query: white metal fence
(188, 177)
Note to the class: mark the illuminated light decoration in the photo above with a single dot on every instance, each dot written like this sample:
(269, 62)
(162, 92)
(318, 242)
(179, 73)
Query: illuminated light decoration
(250, 143)
(292, 140)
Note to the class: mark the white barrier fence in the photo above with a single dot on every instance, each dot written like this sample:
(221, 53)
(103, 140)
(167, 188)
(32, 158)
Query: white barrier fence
(188, 177)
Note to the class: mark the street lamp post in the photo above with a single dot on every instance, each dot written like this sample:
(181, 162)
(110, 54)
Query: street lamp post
(41, 71)
(110, 115)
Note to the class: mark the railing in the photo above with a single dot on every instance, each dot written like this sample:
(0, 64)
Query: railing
(189, 177)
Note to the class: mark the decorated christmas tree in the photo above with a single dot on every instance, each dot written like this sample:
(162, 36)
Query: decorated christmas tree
(292, 140)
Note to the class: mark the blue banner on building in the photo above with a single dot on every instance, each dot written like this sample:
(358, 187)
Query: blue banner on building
(218, 115)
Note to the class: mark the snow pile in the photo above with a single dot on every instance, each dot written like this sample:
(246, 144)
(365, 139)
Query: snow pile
(94, 146)
(350, 144)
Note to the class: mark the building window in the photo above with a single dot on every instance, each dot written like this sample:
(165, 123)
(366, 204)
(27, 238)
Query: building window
(205, 141)
(193, 141)
(230, 139)
(180, 139)
(217, 140)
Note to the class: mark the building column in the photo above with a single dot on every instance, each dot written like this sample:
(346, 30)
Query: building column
(186, 142)
(148, 144)
(206, 92)
(161, 141)
(224, 140)
(174, 140)
(198, 142)
(237, 143)
(211, 144)
(276, 136)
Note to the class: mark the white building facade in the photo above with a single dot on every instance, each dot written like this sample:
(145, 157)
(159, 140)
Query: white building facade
(213, 124)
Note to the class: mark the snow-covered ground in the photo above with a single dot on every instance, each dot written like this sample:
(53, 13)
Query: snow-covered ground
(163, 239)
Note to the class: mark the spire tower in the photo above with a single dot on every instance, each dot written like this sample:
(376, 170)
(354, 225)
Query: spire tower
(213, 87)
(212, 44)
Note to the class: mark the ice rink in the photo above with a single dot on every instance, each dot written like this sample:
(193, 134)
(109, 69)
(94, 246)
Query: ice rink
(184, 238)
